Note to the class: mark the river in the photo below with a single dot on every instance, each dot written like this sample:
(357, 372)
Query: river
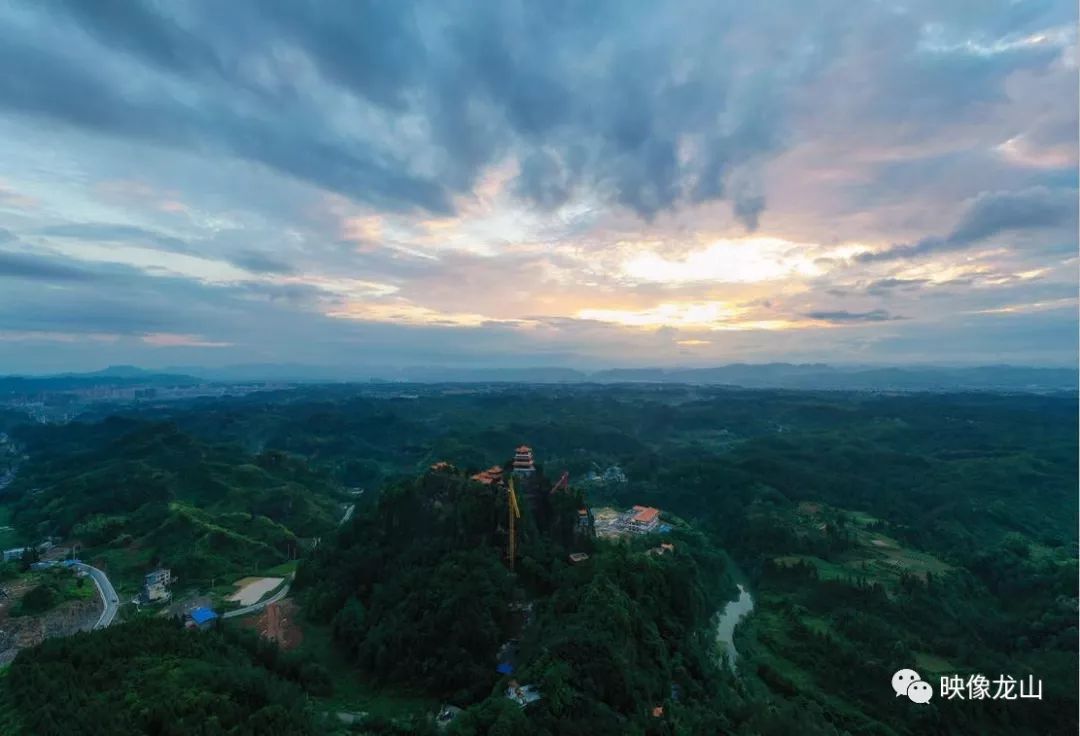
(729, 618)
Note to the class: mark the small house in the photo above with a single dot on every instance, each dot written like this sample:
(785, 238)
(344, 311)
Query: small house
(14, 554)
(202, 618)
(156, 586)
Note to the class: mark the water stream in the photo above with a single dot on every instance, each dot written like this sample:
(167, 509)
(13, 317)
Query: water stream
(729, 618)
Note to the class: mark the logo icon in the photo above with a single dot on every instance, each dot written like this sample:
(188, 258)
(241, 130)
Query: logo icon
(920, 692)
(909, 683)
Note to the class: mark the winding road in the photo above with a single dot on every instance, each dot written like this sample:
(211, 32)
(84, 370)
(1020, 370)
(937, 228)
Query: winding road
(105, 590)
(112, 601)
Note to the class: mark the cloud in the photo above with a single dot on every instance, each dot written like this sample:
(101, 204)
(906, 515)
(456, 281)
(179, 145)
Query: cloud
(175, 340)
(62, 313)
(584, 96)
(509, 182)
(87, 96)
(22, 266)
(893, 283)
(99, 231)
(748, 208)
(991, 214)
(144, 32)
(845, 317)
(260, 263)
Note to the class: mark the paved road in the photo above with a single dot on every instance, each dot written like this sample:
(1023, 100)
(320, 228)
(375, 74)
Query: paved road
(112, 601)
(256, 607)
(107, 592)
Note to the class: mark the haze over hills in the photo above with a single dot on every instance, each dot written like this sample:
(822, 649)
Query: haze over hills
(817, 376)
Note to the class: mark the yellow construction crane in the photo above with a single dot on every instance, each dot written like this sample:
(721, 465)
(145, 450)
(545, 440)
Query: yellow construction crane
(514, 512)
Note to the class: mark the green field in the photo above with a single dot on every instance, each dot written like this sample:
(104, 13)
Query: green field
(284, 570)
(871, 555)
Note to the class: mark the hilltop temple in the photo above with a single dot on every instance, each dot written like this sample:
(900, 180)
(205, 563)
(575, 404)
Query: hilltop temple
(523, 461)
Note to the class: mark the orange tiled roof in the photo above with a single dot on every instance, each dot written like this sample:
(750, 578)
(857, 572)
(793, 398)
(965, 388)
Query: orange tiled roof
(489, 476)
(645, 514)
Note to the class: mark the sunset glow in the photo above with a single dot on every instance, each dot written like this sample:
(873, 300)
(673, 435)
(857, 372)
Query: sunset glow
(831, 195)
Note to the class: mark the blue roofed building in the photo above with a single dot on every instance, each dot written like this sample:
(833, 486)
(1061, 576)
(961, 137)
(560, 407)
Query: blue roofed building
(202, 617)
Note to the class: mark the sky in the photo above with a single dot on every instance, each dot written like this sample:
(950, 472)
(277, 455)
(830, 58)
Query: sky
(505, 184)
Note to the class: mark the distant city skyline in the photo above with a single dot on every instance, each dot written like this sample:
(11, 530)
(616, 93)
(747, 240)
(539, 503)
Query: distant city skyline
(518, 184)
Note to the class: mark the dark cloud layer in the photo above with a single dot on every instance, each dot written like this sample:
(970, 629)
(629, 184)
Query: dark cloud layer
(636, 103)
(995, 213)
(648, 105)
(843, 316)
(19, 266)
(260, 263)
(418, 179)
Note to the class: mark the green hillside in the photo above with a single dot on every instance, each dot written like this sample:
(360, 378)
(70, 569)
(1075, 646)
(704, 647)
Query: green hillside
(154, 677)
(139, 493)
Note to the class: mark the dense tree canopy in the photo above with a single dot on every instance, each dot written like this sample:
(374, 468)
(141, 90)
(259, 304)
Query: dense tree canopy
(874, 531)
(154, 677)
(205, 510)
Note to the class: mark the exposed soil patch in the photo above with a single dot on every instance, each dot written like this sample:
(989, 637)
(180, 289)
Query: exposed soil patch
(278, 622)
(20, 632)
(251, 590)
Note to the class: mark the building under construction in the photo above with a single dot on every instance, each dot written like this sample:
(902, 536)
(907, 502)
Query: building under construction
(612, 524)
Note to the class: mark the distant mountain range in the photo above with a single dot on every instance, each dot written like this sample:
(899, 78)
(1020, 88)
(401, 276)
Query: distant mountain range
(121, 375)
(818, 376)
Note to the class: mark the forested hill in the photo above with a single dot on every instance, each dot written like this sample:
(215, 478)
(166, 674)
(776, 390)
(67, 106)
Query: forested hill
(417, 593)
(873, 531)
(139, 492)
(154, 677)
(936, 530)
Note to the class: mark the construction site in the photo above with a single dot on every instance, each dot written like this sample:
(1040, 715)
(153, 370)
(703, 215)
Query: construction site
(611, 523)
(77, 608)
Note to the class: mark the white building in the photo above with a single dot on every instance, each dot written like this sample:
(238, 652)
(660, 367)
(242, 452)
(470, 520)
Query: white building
(156, 585)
